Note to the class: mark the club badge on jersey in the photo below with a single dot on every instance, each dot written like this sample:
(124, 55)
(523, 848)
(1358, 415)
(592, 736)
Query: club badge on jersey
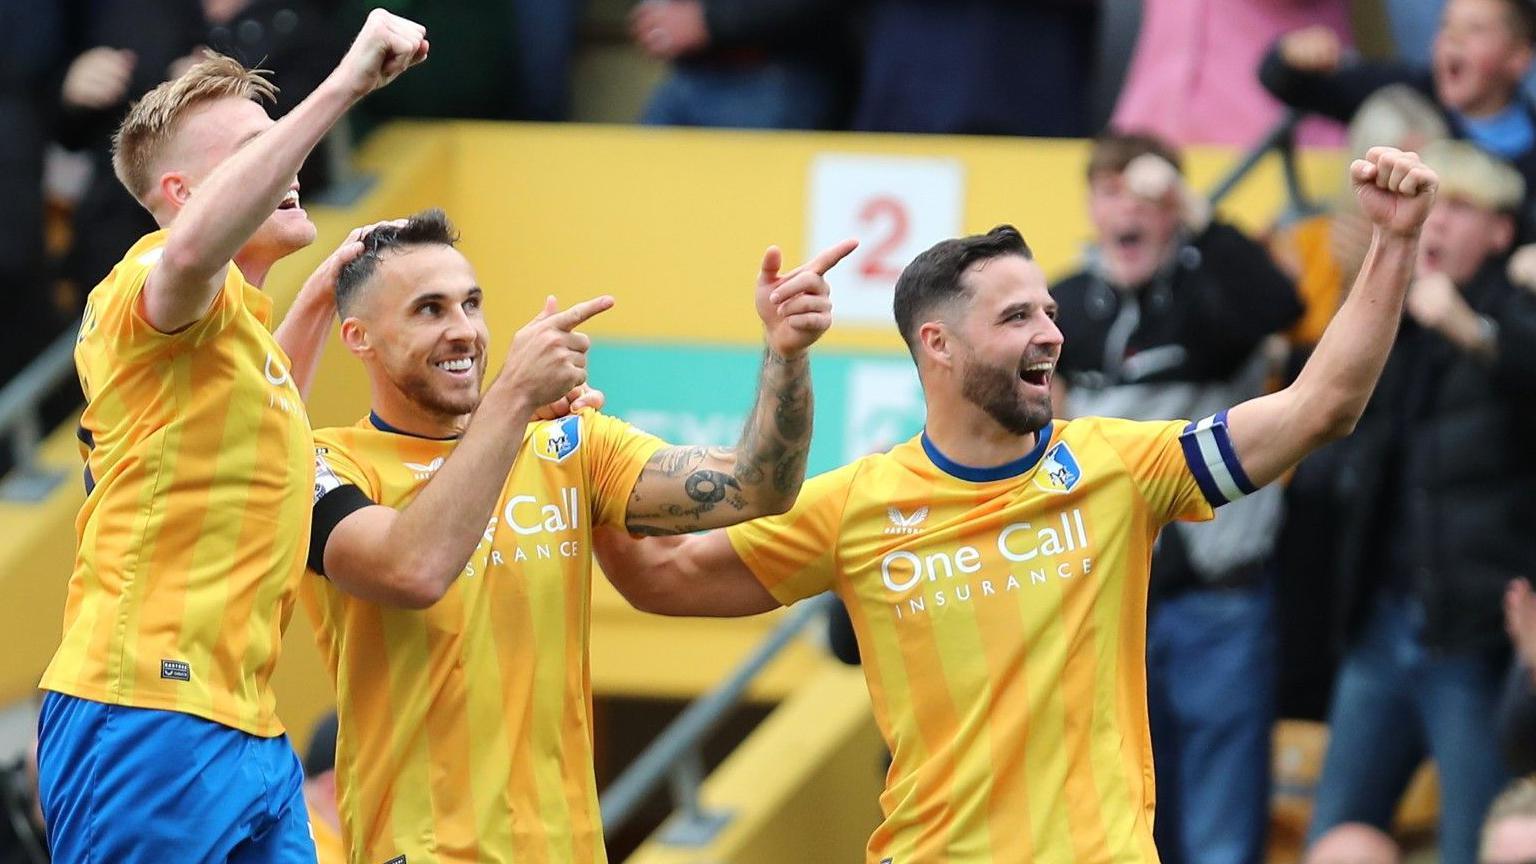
(558, 439)
(1059, 471)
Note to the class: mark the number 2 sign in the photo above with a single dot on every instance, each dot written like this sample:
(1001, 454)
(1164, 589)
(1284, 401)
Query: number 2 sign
(897, 206)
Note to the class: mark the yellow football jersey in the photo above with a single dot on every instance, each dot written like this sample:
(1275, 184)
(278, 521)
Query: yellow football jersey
(191, 542)
(465, 730)
(1001, 618)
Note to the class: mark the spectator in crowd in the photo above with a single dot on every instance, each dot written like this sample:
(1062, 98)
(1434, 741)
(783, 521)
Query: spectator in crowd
(1509, 833)
(1323, 253)
(1353, 843)
(771, 64)
(1168, 320)
(129, 46)
(32, 45)
(1191, 77)
(1483, 49)
(1439, 485)
(320, 791)
(985, 67)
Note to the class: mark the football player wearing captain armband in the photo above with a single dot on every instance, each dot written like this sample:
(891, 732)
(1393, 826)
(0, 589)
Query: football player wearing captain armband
(995, 567)
(159, 738)
(452, 547)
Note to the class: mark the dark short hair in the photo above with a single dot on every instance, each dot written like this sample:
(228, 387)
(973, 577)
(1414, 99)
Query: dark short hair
(427, 228)
(935, 276)
(1113, 150)
(1522, 20)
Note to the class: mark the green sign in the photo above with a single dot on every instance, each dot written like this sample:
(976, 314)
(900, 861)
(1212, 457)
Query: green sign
(701, 395)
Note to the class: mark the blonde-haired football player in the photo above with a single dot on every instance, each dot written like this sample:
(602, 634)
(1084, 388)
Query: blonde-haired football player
(1000, 608)
(158, 735)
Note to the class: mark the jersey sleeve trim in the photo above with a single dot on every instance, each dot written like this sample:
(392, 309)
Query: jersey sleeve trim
(1208, 450)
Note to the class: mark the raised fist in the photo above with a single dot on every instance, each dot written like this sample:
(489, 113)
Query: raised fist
(1395, 189)
(385, 47)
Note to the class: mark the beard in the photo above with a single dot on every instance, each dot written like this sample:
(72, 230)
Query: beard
(418, 386)
(995, 390)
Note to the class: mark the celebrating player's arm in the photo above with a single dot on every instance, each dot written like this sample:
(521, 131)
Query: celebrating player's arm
(225, 209)
(410, 557)
(1270, 434)
(686, 489)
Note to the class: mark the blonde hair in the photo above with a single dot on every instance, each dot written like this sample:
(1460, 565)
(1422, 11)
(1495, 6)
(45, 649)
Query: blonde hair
(1469, 173)
(1398, 116)
(152, 121)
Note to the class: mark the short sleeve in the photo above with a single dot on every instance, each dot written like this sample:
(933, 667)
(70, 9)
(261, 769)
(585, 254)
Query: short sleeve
(618, 451)
(795, 555)
(334, 468)
(114, 309)
(1183, 470)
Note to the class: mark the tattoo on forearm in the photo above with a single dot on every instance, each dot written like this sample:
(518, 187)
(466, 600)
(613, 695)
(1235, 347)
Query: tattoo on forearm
(765, 468)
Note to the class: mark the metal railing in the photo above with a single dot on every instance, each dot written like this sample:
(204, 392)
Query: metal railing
(21, 422)
(676, 756)
(1282, 140)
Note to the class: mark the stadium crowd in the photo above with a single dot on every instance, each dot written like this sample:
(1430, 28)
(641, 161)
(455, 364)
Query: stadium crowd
(1416, 527)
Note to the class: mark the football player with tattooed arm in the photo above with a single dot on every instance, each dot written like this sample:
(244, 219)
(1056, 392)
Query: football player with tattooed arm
(451, 546)
(996, 566)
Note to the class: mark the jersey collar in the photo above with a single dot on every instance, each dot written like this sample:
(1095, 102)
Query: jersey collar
(1005, 471)
(379, 424)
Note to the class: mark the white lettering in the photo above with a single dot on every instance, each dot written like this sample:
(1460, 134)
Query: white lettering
(1064, 570)
(967, 559)
(933, 571)
(1002, 543)
(1037, 577)
(916, 604)
(963, 593)
(911, 582)
(986, 588)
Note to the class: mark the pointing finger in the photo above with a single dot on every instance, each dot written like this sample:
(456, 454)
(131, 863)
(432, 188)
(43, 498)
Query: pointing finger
(827, 258)
(575, 315)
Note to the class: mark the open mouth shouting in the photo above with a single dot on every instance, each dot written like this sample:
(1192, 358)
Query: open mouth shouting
(1038, 373)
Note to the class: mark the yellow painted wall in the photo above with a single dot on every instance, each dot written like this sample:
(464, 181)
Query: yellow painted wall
(673, 223)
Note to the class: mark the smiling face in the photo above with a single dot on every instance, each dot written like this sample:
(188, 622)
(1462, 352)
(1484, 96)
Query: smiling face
(1478, 58)
(1135, 234)
(1002, 342)
(419, 328)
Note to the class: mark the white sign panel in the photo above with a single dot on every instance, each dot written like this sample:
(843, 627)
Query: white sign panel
(896, 206)
(885, 406)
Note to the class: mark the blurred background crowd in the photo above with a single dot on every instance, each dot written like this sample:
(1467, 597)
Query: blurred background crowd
(1383, 589)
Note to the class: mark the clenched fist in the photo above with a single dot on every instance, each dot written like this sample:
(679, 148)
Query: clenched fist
(385, 47)
(1395, 189)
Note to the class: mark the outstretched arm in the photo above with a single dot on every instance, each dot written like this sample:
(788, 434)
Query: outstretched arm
(237, 196)
(686, 489)
(699, 574)
(410, 557)
(1272, 433)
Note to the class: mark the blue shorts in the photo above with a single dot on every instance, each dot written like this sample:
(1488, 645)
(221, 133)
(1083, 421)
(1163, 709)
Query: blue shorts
(130, 785)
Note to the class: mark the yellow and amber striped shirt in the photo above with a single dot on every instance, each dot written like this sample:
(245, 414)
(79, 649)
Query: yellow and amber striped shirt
(465, 729)
(199, 466)
(1001, 619)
